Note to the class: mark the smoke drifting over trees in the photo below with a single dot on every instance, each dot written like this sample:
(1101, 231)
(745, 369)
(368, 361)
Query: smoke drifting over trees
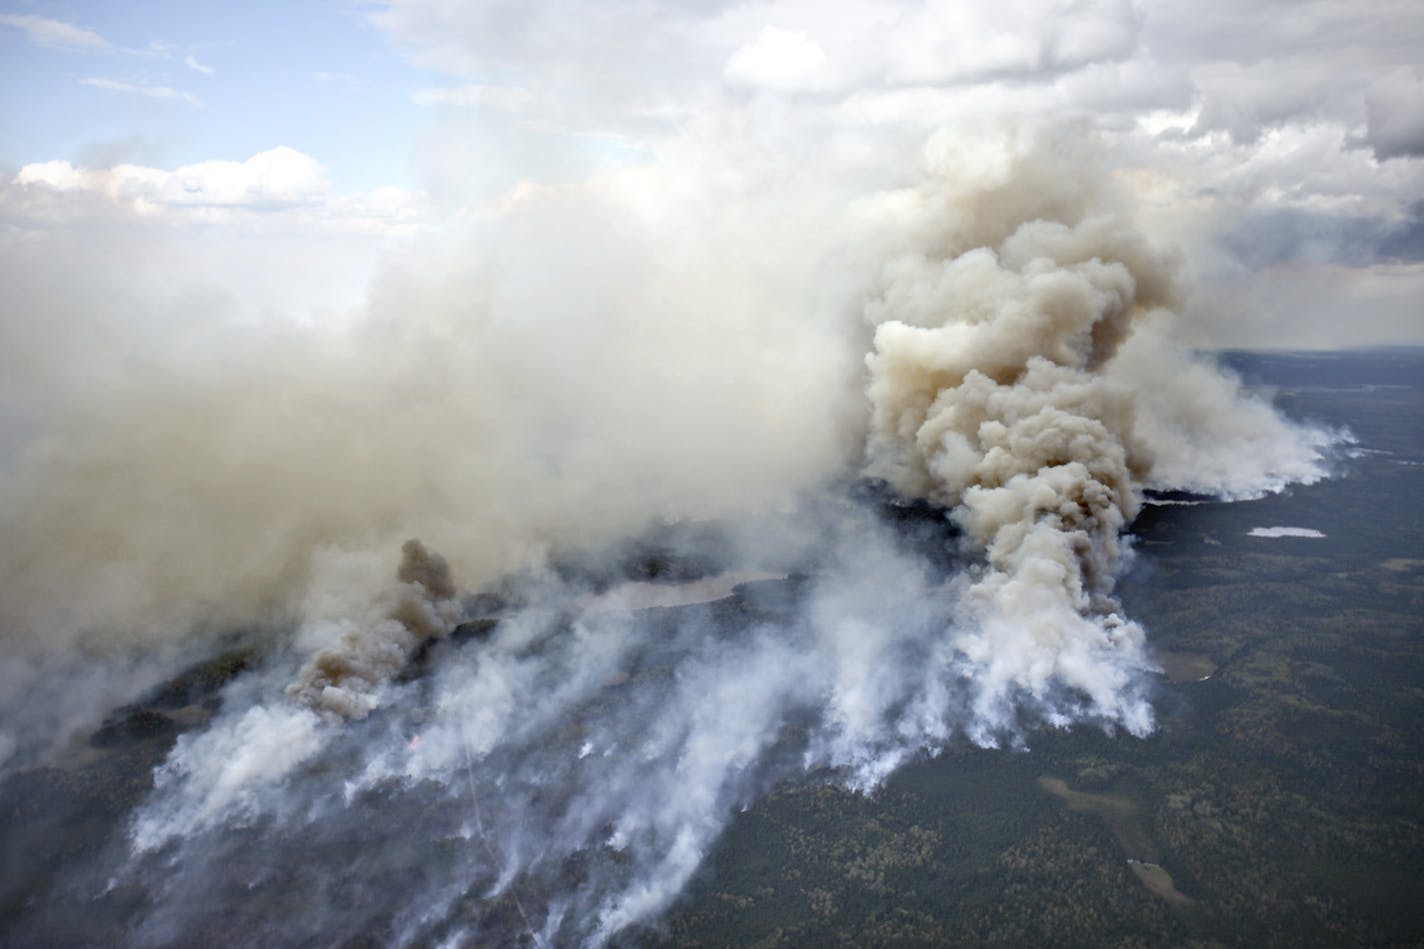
(664, 344)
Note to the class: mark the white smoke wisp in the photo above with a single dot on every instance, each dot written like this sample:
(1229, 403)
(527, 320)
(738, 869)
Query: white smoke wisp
(1208, 434)
(621, 742)
(228, 775)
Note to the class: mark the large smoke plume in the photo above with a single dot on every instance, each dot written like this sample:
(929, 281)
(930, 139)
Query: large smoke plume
(615, 361)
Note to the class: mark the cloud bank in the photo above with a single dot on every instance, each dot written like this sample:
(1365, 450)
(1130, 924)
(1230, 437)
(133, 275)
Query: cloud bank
(1293, 126)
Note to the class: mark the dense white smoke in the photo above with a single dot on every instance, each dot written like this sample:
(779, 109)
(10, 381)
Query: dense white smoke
(666, 346)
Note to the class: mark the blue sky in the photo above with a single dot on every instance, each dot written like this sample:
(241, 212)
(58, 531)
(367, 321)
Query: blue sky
(317, 77)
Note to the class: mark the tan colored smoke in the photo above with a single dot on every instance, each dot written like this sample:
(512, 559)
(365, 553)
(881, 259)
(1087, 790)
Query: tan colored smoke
(989, 394)
(601, 356)
(344, 678)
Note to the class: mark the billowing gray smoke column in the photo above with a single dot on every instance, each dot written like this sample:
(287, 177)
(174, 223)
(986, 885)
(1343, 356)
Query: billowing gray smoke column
(343, 678)
(993, 402)
(1002, 386)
